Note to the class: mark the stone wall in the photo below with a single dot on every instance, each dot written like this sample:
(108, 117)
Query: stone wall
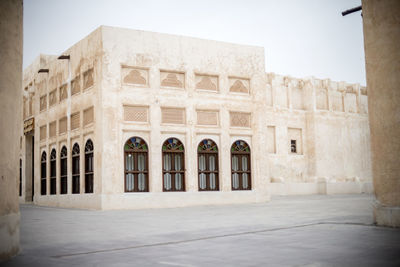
(328, 121)
(306, 136)
(10, 101)
(382, 58)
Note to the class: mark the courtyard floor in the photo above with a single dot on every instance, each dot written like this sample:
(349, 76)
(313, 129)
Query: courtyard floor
(316, 230)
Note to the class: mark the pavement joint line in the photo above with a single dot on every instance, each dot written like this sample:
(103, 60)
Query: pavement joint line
(210, 237)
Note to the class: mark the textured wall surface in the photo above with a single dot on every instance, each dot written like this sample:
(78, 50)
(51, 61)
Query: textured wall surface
(10, 123)
(382, 57)
(127, 83)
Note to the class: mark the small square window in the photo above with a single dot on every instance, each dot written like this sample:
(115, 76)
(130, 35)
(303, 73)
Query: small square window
(293, 148)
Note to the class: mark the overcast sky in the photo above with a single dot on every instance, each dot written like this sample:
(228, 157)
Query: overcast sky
(301, 37)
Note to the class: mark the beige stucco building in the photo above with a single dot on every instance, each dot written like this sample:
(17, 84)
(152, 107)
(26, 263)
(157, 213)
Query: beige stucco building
(133, 119)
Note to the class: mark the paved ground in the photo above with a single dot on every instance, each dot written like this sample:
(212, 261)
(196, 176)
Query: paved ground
(288, 231)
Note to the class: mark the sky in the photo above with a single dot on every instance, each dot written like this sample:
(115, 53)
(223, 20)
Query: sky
(301, 38)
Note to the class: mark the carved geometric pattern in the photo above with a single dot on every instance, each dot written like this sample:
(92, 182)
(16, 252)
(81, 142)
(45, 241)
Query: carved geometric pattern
(88, 116)
(135, 113)
(205, 117)
(52, 127)
(206, 82)
(76, 85)
(43, 132)
(239, 85)
(240, 119)
(63, 92)
(173, 115)
(75, 121)
(134, 76)
(53, 97)
(62, 125)
(170, 79)
(88, 79)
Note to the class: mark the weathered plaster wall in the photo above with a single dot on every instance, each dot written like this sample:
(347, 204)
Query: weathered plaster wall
(328, 120)
(382, 58)
(86, 55)
(10, 101)
(156, 86)
(156, 52)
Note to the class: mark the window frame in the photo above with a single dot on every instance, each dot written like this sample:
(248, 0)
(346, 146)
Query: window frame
(173, 152)
(241, 154)
(89, 173)
(293, 146)
(207, 153)
(75, 157)
(43, 173)
(53, 172)
(64, 171)
(135, 152)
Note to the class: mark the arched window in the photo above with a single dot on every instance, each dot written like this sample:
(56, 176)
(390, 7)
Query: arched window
(75, 169)
(63, 170)
(207, 154)
(136, 165)
(53, 184)
(43, 176)
(173, 154)
(240, 160)
(20, 177)
(89, 166)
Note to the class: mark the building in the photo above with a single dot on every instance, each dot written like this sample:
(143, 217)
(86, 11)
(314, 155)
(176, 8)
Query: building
(134, 119)
(382, 62)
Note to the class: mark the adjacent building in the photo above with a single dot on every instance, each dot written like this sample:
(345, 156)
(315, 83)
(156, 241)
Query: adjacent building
(133, 119)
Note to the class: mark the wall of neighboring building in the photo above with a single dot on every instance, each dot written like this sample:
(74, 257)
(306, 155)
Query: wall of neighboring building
(153, 58)
(382, 59)
(329, 123)
(10, 100)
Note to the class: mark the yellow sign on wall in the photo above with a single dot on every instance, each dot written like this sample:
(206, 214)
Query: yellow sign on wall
(29, 125)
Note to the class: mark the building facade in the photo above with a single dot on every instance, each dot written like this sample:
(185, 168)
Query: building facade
(133, 119)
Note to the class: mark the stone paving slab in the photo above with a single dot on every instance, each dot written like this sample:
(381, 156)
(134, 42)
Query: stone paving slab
(316, 230)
